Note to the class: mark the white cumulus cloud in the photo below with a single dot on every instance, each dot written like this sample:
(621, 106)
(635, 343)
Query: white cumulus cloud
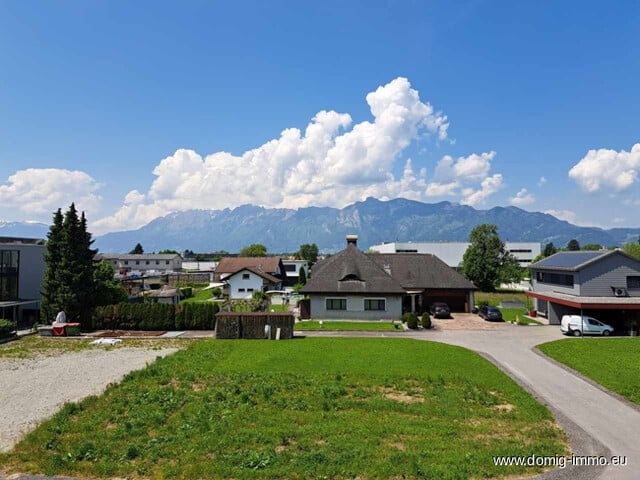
(488, 187)
(607, 168)
(331, 162)
(523, 197)
(37, 192)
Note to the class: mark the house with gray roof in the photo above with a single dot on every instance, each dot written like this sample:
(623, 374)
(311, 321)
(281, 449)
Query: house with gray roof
(142, 262)
(604, 284)
(353, 285)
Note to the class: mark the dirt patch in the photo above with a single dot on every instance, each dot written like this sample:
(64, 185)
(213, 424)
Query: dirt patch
(129, 333)
(402, 397)
(466, 321)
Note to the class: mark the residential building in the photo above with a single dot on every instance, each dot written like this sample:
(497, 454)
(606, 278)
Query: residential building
(246, 281)
(22, 268)
(244, 275)
(604, 284)
(143, 263)
(353, 285)
(452, 252)
(292, 269)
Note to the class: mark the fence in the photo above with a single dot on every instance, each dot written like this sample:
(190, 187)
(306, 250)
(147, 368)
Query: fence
(233, 325)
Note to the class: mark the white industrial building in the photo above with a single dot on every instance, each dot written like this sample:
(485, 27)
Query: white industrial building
(452, 252)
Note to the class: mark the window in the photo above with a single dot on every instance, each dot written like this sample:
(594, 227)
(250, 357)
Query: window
(147, 262)
(241, 290)
(563, 279)
(379, 304)
(9, 262)
(246, 276)
(633, 283)
(137, 262)
(157, 262)
(336, 303)
(126, 262)
(167, 262)
(290, 268)
(249, 289)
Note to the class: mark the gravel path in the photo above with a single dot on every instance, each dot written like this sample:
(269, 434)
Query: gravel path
(33, 390)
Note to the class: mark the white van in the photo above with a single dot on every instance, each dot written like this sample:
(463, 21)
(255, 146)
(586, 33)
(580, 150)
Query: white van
(577, 325)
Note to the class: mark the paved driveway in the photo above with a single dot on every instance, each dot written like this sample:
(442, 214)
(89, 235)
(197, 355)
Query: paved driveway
(612, 422)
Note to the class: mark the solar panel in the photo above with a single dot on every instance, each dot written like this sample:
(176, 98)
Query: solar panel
(569, 259)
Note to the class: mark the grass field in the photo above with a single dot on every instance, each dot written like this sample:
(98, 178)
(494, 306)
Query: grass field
(307, 408)
(199, 296)
(612, 362)
(311, 325)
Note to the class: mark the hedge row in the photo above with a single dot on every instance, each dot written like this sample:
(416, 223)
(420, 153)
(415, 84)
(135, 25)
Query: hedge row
(154, 316)
(7, 328)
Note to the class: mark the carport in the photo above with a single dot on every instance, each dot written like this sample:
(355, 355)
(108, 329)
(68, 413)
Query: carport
(619, 312)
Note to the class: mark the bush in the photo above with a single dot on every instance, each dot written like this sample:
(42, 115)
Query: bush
(186, 292)
(411, 320)
(7, 328)
(425, 321)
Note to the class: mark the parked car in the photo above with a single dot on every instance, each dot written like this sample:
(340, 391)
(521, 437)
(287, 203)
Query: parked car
(491, 314)
(440, 310)
(578, 325)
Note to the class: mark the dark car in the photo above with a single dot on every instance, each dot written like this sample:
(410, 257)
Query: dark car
(440, 310)
(492, 314)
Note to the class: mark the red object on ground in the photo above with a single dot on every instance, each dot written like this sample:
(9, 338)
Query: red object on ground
(58, 330)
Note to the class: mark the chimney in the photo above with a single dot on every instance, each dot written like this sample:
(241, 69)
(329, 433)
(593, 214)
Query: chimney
(352, 240)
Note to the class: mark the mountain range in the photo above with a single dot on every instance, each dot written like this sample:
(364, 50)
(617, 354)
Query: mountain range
(374, 221)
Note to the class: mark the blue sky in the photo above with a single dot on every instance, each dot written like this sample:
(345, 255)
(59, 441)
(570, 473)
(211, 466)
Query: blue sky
(137, 109)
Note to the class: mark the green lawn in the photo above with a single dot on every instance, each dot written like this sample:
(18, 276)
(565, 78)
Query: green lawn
(306, 408)
(310, 325)
(199, 296)
(612, 362)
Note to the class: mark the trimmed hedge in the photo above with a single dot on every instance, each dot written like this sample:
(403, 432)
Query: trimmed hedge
(7, 328)
(154, 316)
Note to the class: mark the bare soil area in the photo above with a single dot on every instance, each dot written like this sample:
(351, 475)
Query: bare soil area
(32, 390)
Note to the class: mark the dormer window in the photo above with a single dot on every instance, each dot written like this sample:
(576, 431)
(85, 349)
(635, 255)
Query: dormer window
(350, 276)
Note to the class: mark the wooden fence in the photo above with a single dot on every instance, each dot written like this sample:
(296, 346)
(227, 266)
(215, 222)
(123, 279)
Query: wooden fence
(232, 325)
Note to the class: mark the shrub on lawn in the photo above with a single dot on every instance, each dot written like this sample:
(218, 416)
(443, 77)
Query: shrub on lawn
(7, 328)
(425, 321)
(411, 319)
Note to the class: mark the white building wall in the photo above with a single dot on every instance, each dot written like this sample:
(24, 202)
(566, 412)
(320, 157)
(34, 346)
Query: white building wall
(240, 287)
(452, 252)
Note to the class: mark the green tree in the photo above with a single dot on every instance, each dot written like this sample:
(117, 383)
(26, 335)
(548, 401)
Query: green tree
(302, 277)
(573, 245)
(50, 303)
(68, 281)
(632, 249)
(549, 249)
(108, 290)
(308, 252)
(591, 246)
(486, 262)
(254, 250)
(137, 250)
(165, 252)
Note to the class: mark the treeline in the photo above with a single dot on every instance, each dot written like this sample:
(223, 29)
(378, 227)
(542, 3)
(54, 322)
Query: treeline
(154, 316)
